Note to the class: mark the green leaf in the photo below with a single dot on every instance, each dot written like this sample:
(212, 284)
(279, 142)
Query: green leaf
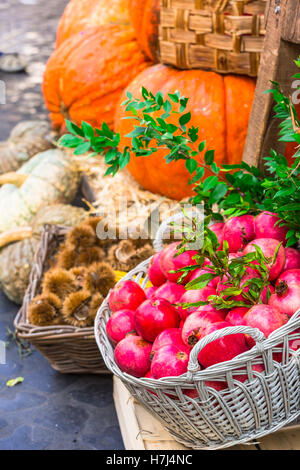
(201, 146)
(210, 183)
(13, 382)
(73, 128)
(82, 148)
(218, 193)
(209, 157)
(184, 119)
(191, 165)
(87, 129)
(159, 98)
(69, 141)
(174, 97)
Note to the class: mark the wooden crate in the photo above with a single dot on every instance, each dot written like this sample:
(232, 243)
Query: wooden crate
(140, 431)
(281, 48)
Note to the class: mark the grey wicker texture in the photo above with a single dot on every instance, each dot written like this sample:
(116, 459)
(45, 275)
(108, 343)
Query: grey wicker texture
(222, 35)
(69, 349)
(251, 405)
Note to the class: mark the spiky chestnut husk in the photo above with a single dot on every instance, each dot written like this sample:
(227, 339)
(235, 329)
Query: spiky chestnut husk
(95, 303)
(92, 222)
(76, 308)
(60, 282)
(79, 274)
(104, 243)
(66, 257)
(81, 237)
(125, 256)
(44, 310)
(99, 277)
(89, 256)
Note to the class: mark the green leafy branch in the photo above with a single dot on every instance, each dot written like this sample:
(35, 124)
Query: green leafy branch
(229, 190)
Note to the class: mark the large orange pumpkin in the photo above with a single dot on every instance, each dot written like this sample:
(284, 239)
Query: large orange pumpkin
(144, 16)
(82, 14)
(85, 76)
(220, 107)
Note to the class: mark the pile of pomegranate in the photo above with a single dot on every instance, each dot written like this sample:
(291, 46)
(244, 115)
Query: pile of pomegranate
(153, 334)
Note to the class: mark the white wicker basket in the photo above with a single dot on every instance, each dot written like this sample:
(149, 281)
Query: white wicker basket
(243, 411)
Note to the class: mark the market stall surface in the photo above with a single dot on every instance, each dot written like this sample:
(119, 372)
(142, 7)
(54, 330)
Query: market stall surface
(47, 410)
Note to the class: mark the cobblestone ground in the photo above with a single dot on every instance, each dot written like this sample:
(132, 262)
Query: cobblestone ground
(27, 27)
(48, 410)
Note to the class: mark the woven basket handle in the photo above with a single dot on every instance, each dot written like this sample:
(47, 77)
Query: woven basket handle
(166, 226)
(255, 333)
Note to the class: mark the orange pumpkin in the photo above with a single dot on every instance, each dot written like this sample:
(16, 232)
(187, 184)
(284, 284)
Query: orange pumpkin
(220, 107)
(81, 14)
(144, 16)
(85, 76)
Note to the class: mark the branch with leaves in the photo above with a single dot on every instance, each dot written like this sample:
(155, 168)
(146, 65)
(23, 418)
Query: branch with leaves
(229, 190)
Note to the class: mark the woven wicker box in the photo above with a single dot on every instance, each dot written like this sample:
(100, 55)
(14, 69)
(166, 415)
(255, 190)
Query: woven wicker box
(68, 349)
(226, 36)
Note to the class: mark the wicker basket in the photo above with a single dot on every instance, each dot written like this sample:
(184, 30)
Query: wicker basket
(262, 404)
(226, 36)
(68, 349)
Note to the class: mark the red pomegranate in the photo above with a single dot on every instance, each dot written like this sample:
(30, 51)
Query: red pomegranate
(150, 291)
(238, 232)
(193, 296)
(287, 292)
(236, 316)
(166, 337)
(153, 316)
(292, 259)
(155, 273)
(267, 225)
(170, 291)
(126, 294)
(170, 361)
(120, 324)
(132, 355)
(268, 247)
(196, 321)
(266, 318)
(170, 262)
(222, 349)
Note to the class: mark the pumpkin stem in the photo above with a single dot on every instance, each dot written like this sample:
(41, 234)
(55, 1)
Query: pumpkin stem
(15, 235)
(13, 178)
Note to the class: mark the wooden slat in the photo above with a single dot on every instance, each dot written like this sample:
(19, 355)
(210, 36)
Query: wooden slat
(276, 64)
(140, 430)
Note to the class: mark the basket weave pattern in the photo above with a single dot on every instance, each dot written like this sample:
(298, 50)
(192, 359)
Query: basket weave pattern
(226, 36)
(218, 419)
(69, 349)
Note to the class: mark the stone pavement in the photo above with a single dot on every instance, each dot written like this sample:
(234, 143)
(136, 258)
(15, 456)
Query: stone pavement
(48, 410)
(27, 27)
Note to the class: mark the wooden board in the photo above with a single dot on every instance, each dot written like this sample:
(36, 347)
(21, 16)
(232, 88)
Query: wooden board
(140, 431)
(281, 48)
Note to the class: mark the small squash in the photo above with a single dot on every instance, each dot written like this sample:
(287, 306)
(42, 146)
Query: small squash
(26, 139)
(49, 177)
(16, 259)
